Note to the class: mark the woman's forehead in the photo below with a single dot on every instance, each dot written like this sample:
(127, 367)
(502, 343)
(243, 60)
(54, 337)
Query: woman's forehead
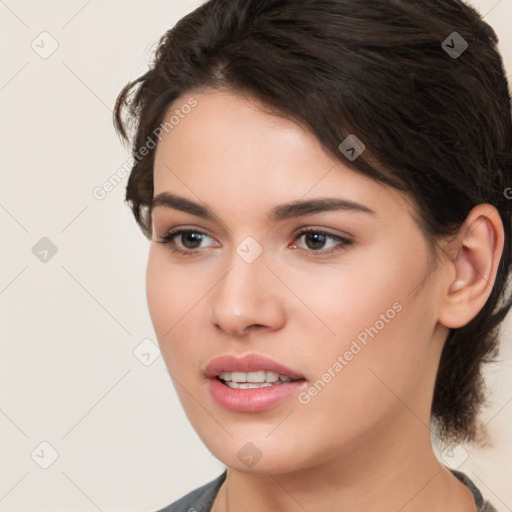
(226, 147)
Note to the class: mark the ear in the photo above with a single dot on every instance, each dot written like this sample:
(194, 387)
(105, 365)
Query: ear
(472, 265)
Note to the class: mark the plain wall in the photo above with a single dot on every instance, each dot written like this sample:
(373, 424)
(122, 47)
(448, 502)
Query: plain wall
(72, 323)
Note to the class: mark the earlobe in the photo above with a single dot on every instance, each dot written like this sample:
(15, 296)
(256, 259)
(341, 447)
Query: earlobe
(472, 272)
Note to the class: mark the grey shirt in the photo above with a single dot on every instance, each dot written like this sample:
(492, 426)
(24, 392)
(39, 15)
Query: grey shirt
(201, 499)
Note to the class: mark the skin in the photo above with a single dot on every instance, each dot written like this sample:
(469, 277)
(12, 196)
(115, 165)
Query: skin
(363, 442)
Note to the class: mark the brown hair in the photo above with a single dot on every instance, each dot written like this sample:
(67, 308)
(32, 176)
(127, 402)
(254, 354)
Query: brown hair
(434, 116)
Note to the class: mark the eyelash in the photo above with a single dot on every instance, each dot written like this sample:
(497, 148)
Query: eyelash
(168, 239)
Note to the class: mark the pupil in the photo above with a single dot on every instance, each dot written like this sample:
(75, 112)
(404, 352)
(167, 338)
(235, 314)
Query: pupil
(191, 240)
(315, 241)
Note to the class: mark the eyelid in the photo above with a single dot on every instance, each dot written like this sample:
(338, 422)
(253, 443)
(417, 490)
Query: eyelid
(162, 223)
(171, 234)
(325, 231)
(342, 241)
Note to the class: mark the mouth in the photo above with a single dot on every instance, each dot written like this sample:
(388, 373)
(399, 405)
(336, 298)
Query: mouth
(251, 383)
(254, 380)
(250, 371)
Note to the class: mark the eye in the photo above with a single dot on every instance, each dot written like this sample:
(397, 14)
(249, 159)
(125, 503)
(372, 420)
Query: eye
(189, 241)
(186, 241)
(318, 241)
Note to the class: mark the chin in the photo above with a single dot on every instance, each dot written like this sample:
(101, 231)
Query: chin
(257, 454)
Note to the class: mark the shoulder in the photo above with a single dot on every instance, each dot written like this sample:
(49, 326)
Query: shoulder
(487, 507)
(484, 505)
(198, 500)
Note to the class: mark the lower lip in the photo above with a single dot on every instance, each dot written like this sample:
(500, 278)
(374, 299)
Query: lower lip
(255, 399)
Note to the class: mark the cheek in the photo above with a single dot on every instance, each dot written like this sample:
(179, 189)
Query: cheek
(177, 304)
(171, 292)
(366, 312)
(383, 334)
(344, 300)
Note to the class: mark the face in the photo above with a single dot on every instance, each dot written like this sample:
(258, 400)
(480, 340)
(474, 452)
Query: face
(276, 249)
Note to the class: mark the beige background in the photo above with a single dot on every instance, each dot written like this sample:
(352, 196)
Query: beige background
(72, 371)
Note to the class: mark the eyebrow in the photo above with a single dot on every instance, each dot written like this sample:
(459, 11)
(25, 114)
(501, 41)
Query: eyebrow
(299, 208)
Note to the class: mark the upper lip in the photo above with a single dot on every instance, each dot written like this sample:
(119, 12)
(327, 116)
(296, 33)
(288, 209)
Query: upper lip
(247, 363)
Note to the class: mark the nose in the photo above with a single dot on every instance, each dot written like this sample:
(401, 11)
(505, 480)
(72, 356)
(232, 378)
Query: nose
(247, 299)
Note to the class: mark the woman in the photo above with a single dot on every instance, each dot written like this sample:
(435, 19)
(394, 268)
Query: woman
(323, 185)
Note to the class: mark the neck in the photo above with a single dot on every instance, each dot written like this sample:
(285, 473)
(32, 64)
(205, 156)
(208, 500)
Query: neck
(390, 467)
(397, 474)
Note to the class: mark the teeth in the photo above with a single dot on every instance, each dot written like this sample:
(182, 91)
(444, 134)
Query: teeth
(250, 385)
(272, 376)
(260, 376)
